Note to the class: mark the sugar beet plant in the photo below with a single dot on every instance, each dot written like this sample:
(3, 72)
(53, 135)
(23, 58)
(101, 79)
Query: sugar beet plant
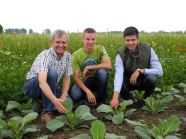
(157, 105)
(162, 130)
(71, 119)
(116, 116)
(16, 127)
(98, 131)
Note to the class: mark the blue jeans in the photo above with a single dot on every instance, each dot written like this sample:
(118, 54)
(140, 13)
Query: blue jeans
(144, 82)
(97, 83)
(31, 89)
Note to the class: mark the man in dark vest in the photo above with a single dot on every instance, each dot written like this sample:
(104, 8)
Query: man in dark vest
(136, 68)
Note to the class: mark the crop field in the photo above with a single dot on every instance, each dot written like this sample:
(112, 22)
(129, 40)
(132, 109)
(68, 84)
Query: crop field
(163, 117)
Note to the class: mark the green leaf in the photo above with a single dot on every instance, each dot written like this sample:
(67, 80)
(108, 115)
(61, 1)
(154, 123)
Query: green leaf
(31, 128)
(3, 124)
(81, 110)
(43, 137)
(88, 116)
(63, 118)
(68, 105)
(1, 113)
(143, 132)
(97, 129)
(108, 117)
(134, 123)
(29, 118)
(184, 119)
(54, 124)
(171, 137)
(129, 112)
(118, 119)
(12, 105)
(81, 136)
(113, 136)
(104, 108)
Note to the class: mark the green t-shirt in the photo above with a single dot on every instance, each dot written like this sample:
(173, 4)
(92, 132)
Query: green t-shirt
(81, 59)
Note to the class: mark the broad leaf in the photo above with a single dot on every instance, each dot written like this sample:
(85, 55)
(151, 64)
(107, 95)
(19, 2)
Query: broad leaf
(12, 105)
(1, 113)
(171, 137)
(143, 132)
(81, 110)
(81, 136)
(118, 119)
(29, 118)
(54, 124)
(43, 137)
(97, 129)
(134, 123)
(104, 108)
(30, 128)
(129, 112)
(3, 124)
(87, 116)
(113, 136)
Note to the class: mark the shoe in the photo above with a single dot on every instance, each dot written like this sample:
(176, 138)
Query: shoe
(47, 117)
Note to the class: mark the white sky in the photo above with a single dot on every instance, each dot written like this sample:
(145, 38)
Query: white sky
(103, 15)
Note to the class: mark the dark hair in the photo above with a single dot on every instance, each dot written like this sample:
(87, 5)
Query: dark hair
(89, 30)
(130, 31)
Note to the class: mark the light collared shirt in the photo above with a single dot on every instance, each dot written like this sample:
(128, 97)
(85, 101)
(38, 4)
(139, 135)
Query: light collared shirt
(155, 69)
(47, 60)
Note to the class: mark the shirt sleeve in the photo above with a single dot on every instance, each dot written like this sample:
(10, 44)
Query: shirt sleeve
(155, 65)
(118, 79)
(103, 53)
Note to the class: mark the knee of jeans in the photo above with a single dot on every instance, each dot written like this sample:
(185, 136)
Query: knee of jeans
(52, 74)
(102, 73)
(75, 94)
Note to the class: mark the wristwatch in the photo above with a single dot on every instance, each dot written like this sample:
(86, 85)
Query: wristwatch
(138, 71)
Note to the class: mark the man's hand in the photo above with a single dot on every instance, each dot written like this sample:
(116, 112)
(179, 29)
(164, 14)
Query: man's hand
(134, 76)
(91, 98)
(64, 97)
(115, 101)
(85, 71)
(59, 106)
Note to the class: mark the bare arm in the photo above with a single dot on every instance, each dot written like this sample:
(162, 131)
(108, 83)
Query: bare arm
(42, 76)
(65, 88)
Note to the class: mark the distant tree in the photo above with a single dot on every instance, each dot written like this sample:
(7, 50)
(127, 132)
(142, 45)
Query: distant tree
(30, 31)
(23, 31)
(1, 29)
(46, 31)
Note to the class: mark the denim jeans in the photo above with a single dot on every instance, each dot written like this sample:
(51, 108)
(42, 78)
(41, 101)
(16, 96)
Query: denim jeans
(144, 82)
(31, 89)
(97, 84)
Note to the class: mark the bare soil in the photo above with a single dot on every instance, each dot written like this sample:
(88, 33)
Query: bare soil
(124, 129)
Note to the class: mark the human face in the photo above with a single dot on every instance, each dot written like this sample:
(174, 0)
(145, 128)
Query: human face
(59, 44)
(131, 42)
(89, 40)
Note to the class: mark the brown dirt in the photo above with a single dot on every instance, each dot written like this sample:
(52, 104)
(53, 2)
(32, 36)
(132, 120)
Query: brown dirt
(124, 129)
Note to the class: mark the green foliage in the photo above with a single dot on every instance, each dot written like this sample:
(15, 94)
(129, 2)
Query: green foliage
(137, 95)
(17, 127)
(98, 131)
(157, 105)
(117, 116)
(159, 131)
(72, 119)
(1, 29)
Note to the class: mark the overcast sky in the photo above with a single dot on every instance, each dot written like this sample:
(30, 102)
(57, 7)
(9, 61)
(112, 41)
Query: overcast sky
(103, 15)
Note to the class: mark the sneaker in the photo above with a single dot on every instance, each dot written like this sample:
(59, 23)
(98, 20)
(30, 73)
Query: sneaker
(47, 117)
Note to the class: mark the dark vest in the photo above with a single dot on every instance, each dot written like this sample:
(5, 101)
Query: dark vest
(133, 62)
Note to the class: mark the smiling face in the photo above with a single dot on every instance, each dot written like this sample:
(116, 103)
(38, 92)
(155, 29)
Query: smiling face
(59, 44)
(131, 42)
(89, 40)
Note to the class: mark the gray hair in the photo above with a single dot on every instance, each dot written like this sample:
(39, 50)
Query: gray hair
(57, 33)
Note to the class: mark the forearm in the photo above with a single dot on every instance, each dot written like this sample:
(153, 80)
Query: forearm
(65, 86)
(101, 66)
(47, 91)
(82, 85)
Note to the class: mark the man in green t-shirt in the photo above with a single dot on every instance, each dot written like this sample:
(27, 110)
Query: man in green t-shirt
(90, 65)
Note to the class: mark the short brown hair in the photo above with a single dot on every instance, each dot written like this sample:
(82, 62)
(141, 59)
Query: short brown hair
(89, 30)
